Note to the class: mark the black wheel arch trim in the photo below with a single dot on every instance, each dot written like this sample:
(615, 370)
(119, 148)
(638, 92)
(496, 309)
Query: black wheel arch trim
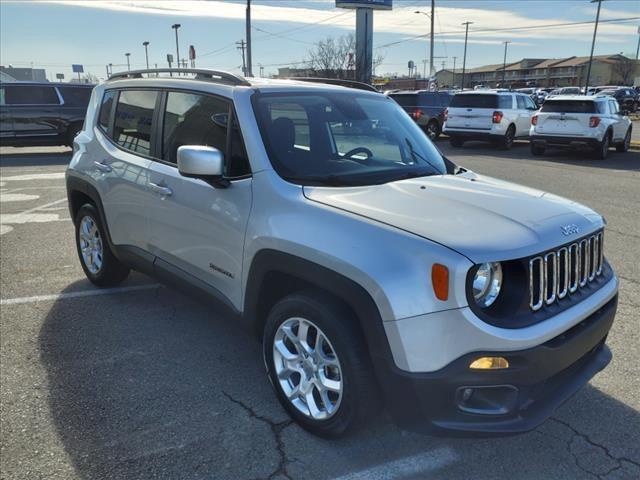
(354, 295)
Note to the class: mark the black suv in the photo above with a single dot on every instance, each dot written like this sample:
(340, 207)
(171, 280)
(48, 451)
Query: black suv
(627, 98)
(42, 113)
(426, 108)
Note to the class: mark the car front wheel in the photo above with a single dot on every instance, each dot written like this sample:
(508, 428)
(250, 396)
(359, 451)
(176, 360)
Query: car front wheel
(318, 364)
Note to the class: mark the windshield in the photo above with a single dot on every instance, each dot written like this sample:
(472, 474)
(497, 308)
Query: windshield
(343, 138)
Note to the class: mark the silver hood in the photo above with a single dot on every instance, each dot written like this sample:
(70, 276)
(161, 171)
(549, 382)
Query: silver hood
(480, 217)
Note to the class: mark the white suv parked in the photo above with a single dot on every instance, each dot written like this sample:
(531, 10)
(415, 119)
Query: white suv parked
(586, 122)
(368, 265)
(496, 116)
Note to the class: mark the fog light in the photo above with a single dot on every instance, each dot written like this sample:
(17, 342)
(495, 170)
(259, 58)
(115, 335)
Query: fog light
(489, 363)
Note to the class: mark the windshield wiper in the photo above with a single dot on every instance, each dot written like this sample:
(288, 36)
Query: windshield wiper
(415, 154)
(324, 180)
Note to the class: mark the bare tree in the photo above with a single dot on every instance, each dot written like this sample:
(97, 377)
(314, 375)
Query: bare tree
(332, 57)
(625, 69)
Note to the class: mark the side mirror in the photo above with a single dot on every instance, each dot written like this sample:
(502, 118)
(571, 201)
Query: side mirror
(199, 161)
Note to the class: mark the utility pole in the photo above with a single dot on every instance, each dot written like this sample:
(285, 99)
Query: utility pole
(261, 71)
(146, 52)
(249, 72)
(453, 81)
(424, 68)
(241, 46)
(176, 26)
(504, 63)
(638, 49)
(464, 58)
(433, 16)
(107, 67)
(593, 44)
(128, 64)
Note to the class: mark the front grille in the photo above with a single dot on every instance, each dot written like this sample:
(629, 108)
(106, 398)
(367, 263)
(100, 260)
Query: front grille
(560, 273)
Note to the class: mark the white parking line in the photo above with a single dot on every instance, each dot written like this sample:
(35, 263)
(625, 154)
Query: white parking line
(31, 216)
(17, 197)
(82, 293)
(35, 176)
(420, 464)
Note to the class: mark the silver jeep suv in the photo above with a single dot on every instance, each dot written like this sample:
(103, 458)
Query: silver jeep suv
(372, 268)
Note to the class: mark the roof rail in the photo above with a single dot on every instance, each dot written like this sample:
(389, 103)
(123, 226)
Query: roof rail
(337, 81)
(212, 75)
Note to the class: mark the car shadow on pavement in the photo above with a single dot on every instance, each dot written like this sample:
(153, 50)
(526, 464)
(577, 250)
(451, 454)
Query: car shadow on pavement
(31, 159)
(150, 384)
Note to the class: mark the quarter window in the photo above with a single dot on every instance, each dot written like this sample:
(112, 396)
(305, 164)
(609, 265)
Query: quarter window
(133, 124)
(75, 96)
(31, 95)
(105, 109)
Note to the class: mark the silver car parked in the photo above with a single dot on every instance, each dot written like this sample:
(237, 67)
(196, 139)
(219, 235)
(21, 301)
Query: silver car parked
(372, 269)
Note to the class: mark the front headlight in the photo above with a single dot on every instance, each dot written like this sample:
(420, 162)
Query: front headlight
(487, 284)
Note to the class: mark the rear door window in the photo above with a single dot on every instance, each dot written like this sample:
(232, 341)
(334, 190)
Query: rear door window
(470, 100)
(406, 100)
(134, 118)
(569, 106)
(505, 102)
(522, 104)
(75, 96)
(31, 95)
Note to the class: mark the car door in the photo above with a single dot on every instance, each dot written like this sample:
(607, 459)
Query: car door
(523, 122)
(35, 110)
(619, 125)
(6, 121)
(196, 228)
(121, 166)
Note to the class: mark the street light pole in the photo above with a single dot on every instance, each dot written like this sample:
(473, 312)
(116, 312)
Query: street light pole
(453, 81)
(504, 63)
(638, 48)
(593, 45)
(431, 70)
(249, 67)
(176, 26)
(128, 64)
(464, 58)
(146, 52)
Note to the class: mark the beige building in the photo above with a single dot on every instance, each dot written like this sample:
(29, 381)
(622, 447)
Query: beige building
(560, 72)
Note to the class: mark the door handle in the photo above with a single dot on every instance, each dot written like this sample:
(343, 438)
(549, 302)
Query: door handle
(161, 189)
(103, 167)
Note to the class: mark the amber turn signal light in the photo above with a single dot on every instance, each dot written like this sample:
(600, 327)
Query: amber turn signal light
(440, 281)
(489, 363)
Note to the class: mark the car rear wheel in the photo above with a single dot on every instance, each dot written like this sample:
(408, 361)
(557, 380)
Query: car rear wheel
(509, 136)
(99, 263)
(626, 143)
(602, 150)
(318, 363)
(456, 142)
(433, 130)
(537, 150)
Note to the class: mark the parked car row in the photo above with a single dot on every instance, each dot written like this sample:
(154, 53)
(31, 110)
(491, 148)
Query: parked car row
(37, 113)
(594, 123)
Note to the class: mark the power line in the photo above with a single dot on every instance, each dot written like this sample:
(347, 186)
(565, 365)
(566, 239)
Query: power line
(511, 29)
(279, 35)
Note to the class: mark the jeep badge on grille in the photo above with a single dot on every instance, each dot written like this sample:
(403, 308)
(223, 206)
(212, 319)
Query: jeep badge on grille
(571, 229)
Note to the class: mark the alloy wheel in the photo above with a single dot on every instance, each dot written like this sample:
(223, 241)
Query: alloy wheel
(90, 244)
(307, 368)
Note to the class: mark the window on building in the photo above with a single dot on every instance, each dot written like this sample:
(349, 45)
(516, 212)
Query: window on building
(133, 123)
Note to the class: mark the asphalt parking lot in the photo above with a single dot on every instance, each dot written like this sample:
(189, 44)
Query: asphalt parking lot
(143, 382)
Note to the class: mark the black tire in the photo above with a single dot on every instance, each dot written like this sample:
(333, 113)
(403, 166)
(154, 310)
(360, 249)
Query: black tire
(506, 142)
(73, 130)
(456, 142)
(626, 143)
(357, 403)
(432, 130)
(537, 150)
(602, 150)
(111, 272)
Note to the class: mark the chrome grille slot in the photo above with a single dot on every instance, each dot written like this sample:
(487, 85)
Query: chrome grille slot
(559, 273)
(563, 272)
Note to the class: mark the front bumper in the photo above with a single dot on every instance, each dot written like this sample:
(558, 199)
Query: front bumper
(564, 142)
(507, 401)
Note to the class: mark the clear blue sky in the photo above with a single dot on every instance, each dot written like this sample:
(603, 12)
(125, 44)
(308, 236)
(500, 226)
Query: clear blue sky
(55, 34)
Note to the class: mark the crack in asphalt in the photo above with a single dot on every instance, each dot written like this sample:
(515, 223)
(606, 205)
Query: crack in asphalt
(576, 434)
(276, 429)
